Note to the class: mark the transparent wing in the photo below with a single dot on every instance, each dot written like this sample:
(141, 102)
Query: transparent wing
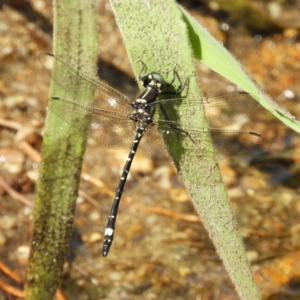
(114, 129)
(78, 86)
(233, 143)
(227, 143)
(109, 119)
(220, 111)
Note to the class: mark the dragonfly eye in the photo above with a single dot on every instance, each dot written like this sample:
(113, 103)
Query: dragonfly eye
(160, 83)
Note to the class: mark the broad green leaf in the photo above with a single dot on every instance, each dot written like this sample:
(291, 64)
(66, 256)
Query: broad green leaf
(154, 32)
(75, 39)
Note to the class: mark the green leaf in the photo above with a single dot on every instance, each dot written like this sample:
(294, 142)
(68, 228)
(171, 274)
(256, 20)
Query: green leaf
(154, 32)
(75, 39)
(212, 53)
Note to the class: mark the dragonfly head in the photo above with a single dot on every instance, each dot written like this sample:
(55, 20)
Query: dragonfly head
(154, 81)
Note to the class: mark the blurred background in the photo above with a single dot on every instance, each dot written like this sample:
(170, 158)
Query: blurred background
(161, 250)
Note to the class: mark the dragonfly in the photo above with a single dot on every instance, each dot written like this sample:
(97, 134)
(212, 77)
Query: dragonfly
(120, 123)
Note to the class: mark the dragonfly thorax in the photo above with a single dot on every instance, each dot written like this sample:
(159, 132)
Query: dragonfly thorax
(142, 114)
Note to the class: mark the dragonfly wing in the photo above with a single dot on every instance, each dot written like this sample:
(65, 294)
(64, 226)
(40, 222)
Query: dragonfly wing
(114, 129)
(229, 108)
(110, 119)
(227, 143)
(233, 143)
(220, 111)
(79, 86)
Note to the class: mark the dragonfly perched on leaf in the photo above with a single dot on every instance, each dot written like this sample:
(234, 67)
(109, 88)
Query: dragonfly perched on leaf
(119, 122)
